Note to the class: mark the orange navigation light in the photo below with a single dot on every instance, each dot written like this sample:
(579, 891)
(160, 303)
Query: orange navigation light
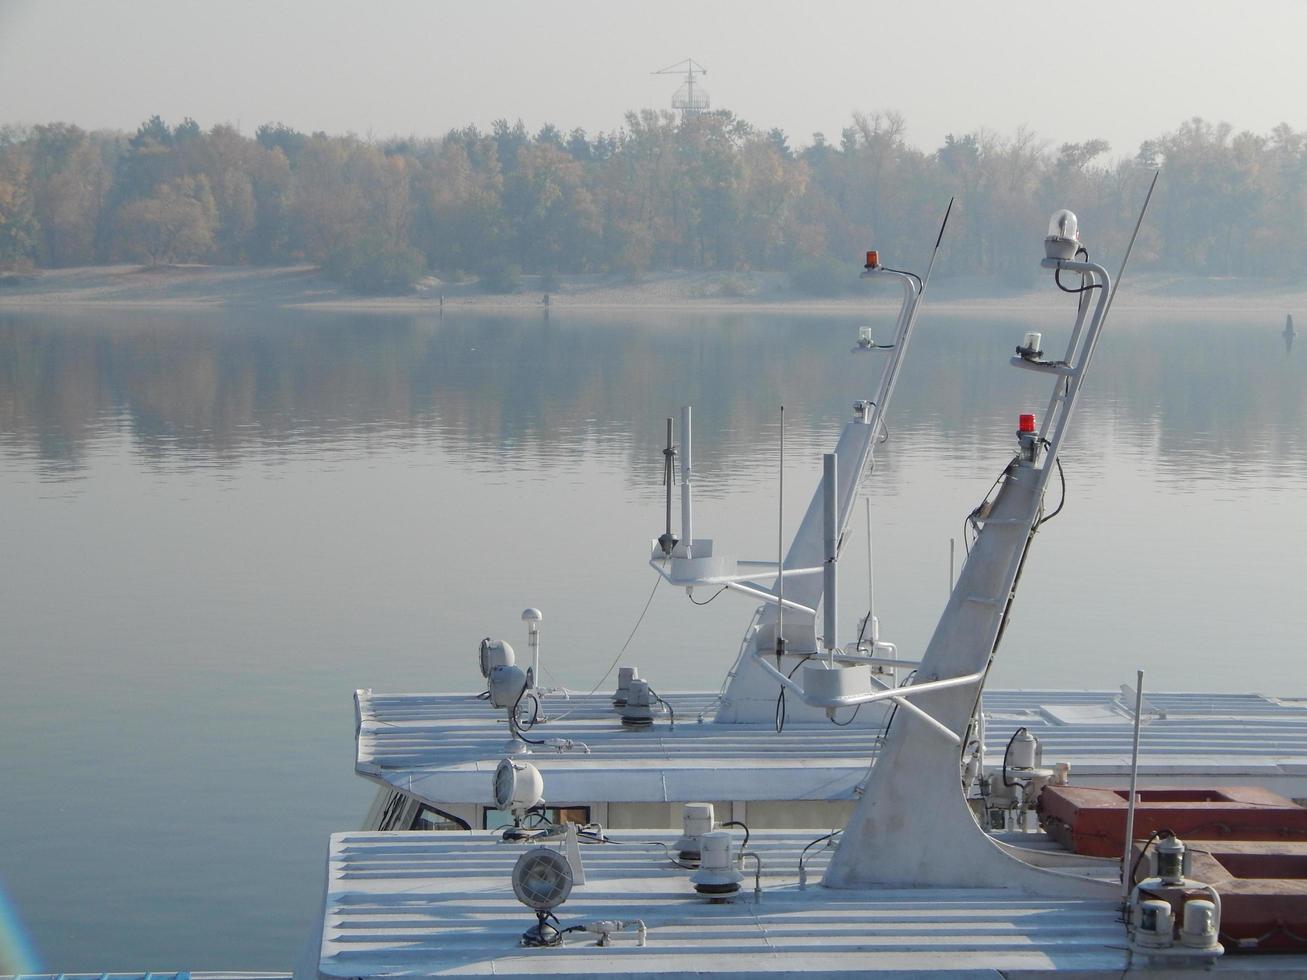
(873, 259)
(1026, 423)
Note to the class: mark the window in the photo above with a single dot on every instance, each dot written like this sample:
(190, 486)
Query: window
(429, 818)
(492, 819)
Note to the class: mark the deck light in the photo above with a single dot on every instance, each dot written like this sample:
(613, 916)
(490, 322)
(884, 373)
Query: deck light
(518, 785)
(873, 259)
(1026, 423)
(495, 653)
(1063, 235)
(542, 880)
(507, 684)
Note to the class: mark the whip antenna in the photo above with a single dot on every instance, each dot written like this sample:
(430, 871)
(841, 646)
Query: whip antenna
(1129, 248)
(667, 540)
(938, 238)
(780, 551)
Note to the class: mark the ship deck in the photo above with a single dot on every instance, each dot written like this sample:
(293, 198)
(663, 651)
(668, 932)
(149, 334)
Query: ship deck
(444, 748)
(441, 904)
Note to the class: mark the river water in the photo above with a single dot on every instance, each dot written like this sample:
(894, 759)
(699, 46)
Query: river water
(216, 526)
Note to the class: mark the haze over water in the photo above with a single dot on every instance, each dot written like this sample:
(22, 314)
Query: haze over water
(217, 527)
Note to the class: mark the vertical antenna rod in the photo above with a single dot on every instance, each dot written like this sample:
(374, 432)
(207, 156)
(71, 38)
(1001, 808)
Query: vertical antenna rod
(871, 574)
(687, 491)
(830, 600)
(1126, 884)
(780, 552)
(667, 541)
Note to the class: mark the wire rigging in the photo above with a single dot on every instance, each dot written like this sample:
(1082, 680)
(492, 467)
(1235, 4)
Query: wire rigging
(634, 629)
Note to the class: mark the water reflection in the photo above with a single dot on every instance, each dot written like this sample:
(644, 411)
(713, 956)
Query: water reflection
(211, 390)
(217, 528)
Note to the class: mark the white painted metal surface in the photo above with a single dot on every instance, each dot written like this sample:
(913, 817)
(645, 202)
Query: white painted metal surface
(444, 748)
(441, 904)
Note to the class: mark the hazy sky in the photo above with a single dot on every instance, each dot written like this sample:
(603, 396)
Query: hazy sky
(1120, 70)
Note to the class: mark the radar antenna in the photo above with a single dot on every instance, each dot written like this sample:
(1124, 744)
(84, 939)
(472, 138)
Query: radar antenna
(691, 98)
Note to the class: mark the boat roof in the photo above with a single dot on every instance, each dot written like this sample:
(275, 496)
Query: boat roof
(150, 975)
(444, 748)
(426, 904)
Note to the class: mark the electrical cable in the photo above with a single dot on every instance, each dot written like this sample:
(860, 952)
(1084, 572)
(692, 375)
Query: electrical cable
(709, 599)
(1007, 751)
(670, 713)
(893, 711)
(910, 275)
(780, 698)
(1154, 836)
(1062, 502)
(516, 729)
(644, 843)
(1057, 276)
(803, 855)
(972, 519)
(535, 710)
(852, 718)
(737, 823)
(621, 652)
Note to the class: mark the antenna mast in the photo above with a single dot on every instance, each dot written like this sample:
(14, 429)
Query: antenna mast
(690, 99)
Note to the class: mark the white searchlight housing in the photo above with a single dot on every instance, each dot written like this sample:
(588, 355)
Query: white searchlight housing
(1063, 235)
(518, 787)
(542, 880)
(507, 684)
(495, 653)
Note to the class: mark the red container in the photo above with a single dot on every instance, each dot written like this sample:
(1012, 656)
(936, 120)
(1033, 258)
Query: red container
(1092, 821)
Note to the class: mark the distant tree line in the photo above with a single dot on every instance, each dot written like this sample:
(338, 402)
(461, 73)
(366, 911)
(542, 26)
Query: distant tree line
(708, 193)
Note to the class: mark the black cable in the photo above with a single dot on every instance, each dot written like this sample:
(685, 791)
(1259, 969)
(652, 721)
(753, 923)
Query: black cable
(971, 519)
(541, 818)
(852, 718)
(904, 272)
(1057, 278)
(1154, 836)
(513, 726)
(535, 711)
(884, 734)
(709, 599)
(780, 698)
(670, 713)
(812, 844)
(1008, 750)
(600, 839)
(1061, 503)
(804, 853)
(737, 823)
(1057, 273)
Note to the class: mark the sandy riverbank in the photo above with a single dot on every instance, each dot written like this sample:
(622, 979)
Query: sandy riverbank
(201, 287)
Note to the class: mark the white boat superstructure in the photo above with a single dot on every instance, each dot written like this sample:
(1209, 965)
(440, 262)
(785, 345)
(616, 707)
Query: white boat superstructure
(791, 764)
(913, 882)
(433, 755)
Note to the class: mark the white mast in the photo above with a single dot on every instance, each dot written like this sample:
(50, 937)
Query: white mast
(913, 798)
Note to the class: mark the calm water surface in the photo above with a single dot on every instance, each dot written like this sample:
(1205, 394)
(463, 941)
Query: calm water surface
(217, 527)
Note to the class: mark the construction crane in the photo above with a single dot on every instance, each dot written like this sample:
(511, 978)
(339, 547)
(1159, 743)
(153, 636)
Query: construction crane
(689, 100)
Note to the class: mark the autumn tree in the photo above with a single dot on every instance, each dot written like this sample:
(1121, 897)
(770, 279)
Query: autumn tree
(175, 224)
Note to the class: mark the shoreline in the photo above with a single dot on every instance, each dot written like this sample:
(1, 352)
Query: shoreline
(202, 288)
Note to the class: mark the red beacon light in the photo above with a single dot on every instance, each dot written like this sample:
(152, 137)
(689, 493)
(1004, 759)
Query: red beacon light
(873, 259)
(1026, 423)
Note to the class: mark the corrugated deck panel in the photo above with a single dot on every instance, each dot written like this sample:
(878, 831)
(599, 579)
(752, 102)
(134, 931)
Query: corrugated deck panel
(442, 904)
(443, 747)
